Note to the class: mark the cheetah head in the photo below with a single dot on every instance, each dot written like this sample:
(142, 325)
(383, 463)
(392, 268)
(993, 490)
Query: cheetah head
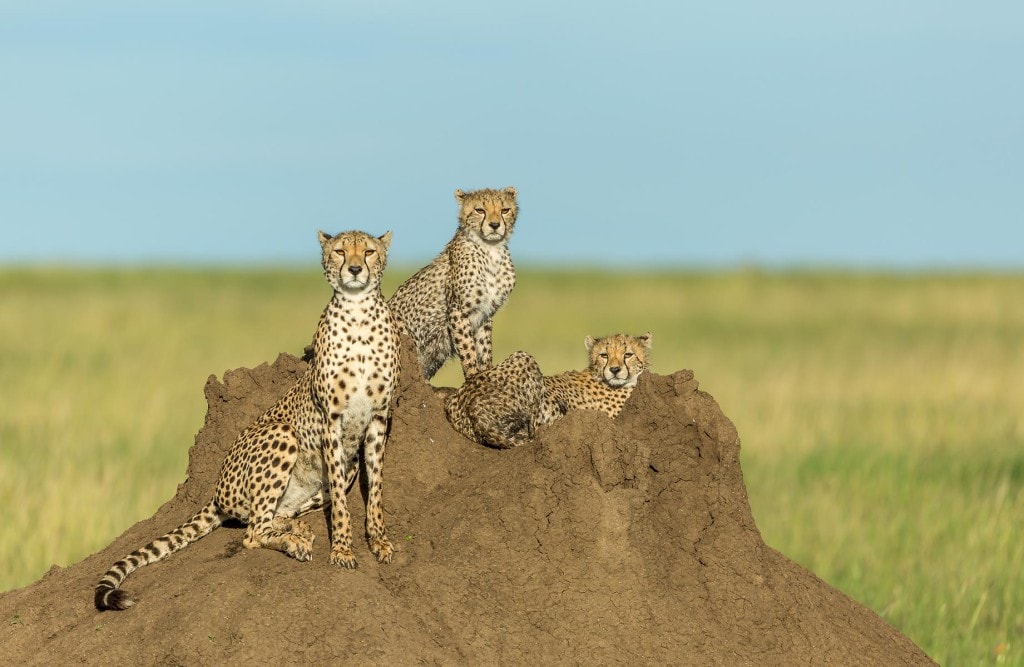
(354, 261)
(488, 214)
(620, 359)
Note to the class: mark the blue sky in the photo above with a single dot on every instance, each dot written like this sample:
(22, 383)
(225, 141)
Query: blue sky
(866, 134)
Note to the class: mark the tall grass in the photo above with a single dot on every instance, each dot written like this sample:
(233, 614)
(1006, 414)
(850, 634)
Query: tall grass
(880, 414)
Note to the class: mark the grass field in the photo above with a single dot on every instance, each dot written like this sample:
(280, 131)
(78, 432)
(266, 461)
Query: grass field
(883, 444)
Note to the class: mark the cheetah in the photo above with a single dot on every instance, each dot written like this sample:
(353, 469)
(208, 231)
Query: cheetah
(499, 406)
(615, 364)
(447, 306)
(302, 454)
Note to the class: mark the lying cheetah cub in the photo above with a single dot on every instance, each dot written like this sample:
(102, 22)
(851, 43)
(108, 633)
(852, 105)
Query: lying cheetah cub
(302, 453)
(499, 406)
(615, 364)
(448, 305)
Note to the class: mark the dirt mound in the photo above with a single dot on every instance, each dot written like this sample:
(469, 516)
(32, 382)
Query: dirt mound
(600, 542)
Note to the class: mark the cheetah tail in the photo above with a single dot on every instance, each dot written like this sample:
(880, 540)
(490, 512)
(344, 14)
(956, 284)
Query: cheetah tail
(108, 593)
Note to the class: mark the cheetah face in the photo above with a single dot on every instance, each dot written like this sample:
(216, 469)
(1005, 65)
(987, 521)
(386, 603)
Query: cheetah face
(488, 214)
(354, 261)
(620, 359)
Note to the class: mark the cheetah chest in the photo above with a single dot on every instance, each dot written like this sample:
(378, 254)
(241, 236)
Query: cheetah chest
(357, 365)
(364, 380)
(494, 283)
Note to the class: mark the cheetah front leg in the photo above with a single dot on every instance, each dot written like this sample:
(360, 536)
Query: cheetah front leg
(464, 338)
(373, 456)
(339, 464)
(482, 341)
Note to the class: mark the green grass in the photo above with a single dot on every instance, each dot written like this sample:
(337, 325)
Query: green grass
(883, 445)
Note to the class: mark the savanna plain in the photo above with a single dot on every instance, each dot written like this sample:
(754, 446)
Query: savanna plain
(880, 414)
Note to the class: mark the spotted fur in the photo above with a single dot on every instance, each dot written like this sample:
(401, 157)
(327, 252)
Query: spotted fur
(447, 306)
(615, 364)
(499, 406)
(302, 454)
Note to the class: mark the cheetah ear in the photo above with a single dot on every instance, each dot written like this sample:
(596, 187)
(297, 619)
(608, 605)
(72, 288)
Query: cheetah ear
(324, 238)
(646, 339)
(510, 191)
(385, 239)
(589, 342)
(460, 195)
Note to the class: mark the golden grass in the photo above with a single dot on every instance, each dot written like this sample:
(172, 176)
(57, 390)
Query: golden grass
(880, 414)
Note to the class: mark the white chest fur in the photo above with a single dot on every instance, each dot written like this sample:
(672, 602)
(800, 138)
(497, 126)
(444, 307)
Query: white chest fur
(496, 278)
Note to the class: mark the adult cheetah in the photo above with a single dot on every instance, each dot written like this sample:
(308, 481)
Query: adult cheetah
(302, 454)
(499, 406)
(447, 306)
(615, 364)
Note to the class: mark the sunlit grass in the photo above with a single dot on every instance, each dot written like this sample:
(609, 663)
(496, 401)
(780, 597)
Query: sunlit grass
(880, 415)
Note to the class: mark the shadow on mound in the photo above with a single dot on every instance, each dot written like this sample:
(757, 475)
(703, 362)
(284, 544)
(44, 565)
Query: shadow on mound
(603, 541)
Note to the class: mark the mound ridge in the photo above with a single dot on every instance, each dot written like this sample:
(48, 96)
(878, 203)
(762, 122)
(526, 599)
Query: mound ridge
(603, 541)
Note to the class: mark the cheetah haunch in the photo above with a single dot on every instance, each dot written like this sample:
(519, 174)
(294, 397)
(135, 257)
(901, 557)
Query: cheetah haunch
(302, 454)
(615, 364)
(499, 407)
(448, 305)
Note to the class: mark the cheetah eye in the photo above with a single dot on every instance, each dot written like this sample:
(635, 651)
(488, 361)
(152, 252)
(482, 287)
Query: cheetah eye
(603, 355)
(369, 252)
(339, 252)
(628, 355)
(479, 210)
(506, 211)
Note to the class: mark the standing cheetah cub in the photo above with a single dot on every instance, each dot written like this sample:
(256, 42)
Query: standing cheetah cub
(615, 364)
(499, 406)
(448, 305)
(302, 454)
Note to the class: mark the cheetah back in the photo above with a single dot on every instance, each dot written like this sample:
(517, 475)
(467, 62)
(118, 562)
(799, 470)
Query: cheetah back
(499, 406)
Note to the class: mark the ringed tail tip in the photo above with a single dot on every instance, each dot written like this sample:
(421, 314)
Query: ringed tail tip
(114, 599)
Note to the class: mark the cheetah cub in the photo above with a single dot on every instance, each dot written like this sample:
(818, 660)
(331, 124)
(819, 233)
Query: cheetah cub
(615, 364)
(302, 454)
(448, 305)
(499, 406)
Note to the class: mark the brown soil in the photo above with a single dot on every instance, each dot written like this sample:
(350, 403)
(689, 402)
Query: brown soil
(625, 541)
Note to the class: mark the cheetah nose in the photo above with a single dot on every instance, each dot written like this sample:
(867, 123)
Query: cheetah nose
(355, 270)
(494, 225)
(615, 369)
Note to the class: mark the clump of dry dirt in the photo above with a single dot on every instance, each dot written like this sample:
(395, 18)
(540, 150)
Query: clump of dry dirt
(600, 542)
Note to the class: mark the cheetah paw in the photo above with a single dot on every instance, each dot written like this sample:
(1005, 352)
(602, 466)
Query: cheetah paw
(344, 557)
(382, 549)
(300, 548)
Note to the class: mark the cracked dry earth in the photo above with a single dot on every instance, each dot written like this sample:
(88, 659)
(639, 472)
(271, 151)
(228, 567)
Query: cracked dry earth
(601, 542)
